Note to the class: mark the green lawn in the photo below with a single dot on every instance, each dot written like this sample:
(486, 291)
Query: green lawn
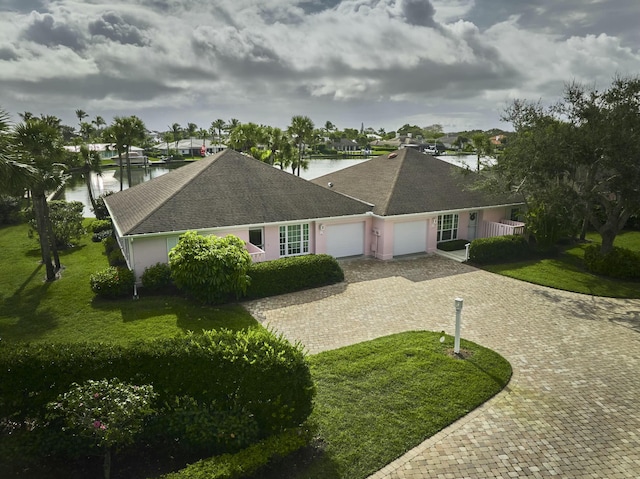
(567, 272)
(66, 310)
(378, 399)
(375, 400)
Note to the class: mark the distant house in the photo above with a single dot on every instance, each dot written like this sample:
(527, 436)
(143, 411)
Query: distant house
(107, 151)
(401, 203)
(192, 147)
(345, 144)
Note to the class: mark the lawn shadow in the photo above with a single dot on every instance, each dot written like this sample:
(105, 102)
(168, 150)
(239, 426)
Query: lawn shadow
(190, 315)
(23, 304)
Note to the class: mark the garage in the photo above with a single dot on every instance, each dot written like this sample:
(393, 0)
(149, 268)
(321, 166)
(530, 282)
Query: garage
(345, 240)
(409, 238)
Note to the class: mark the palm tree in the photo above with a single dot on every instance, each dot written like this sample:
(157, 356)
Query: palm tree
(176, 129)
(14, 176)
(483, 146)
(81, 115)
(218, 126)
(167, 137)
(126, 131)
(301, 130)
(38, 143)
(99, 122)
(232, 125)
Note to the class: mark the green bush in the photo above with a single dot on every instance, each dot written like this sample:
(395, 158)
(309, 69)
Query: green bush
(110, 244)
(100, 236)
(98, 226)
(112, 282)
(296, 273)
(499, 249)
(454, 245)
(116, 258)
(619, 263)
(100, 209)
(255, 382)
(66, 220)
(210, 268)
(246, 462)
(157, 278)
(9, 210)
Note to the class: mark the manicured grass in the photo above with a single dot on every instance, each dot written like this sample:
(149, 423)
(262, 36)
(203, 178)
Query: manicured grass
(378, 399)
(567, 271)
(66, 309)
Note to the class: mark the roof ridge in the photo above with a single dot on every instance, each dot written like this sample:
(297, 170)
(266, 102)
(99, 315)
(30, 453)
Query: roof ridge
(394, 180)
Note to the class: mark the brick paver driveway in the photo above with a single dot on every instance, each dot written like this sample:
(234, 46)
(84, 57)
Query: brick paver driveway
(572, 408)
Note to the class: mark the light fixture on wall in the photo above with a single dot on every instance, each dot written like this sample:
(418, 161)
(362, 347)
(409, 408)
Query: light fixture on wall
(435, 221)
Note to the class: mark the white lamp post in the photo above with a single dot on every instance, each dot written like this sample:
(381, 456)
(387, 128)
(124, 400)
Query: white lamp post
(456, 344)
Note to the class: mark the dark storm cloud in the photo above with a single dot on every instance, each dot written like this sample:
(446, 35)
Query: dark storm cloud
(23, 6)
(45, 30)
(112, 26)
(418, 12)
(566, 18)
(316, 6)
(8, 54)
(95, 87)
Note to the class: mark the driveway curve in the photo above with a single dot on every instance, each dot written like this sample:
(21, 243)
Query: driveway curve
(572, 408)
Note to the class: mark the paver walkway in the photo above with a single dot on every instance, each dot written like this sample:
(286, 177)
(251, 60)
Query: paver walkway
(572, 408)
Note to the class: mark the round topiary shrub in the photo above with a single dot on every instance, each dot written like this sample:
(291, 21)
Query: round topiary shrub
(116, 258)
(112, 282)
(101, 235)
(157, 278)
(101, 225)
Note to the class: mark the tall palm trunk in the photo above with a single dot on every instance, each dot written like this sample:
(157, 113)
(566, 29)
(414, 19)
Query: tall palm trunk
(39, 205)
(52, 238)
(87, 180)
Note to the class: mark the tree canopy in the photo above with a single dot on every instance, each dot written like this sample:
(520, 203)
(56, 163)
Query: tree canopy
(579, 159)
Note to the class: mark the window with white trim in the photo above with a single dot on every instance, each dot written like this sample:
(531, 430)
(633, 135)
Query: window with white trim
(294, 239)
(447, 227)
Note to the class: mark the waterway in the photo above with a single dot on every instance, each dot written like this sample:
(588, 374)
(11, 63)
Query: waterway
(109, 180)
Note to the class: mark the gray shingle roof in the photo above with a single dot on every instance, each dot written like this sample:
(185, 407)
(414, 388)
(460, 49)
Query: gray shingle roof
(225, 189)
(410, 182)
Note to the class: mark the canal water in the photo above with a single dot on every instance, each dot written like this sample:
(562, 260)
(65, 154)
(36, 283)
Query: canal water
(109, 180)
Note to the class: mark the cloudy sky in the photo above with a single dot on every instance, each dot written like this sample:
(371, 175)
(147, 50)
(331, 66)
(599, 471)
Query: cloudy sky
(381, 63)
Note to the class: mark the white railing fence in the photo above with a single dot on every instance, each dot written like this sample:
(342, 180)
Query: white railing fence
(501, 228)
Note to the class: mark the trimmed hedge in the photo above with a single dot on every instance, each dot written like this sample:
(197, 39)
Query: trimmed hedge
(253, 371)
(247, 461)
(619, 263)
(296, 273)
(499, 249)
(112, 282)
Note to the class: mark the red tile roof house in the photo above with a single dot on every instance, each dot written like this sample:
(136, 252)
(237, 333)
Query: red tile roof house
(388, 206)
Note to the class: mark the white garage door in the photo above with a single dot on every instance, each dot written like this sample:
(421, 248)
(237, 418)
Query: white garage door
(409, 238)
(345, 240)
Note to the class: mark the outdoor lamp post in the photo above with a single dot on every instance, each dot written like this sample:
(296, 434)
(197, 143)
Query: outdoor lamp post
(456, 344)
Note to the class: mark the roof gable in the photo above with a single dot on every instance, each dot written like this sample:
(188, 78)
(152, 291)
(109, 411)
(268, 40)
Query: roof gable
(226, 189)
(407, 181)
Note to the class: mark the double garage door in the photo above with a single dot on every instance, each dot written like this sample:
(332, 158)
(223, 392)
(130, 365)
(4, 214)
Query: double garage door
(345, 240)
(409, 238)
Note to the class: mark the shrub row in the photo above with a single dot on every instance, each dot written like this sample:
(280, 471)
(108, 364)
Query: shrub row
(499, 249)
(296, 273)
(619, 263)
(250, 372)
(247, 461)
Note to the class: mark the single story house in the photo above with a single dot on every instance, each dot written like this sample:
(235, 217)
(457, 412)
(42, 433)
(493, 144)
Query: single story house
(191, 147)
(396, 204)
(107, 151)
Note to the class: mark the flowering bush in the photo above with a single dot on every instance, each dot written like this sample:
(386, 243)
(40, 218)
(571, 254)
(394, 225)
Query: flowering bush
(107, 411)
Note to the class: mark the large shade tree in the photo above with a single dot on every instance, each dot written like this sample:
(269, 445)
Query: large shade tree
(580, 158)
